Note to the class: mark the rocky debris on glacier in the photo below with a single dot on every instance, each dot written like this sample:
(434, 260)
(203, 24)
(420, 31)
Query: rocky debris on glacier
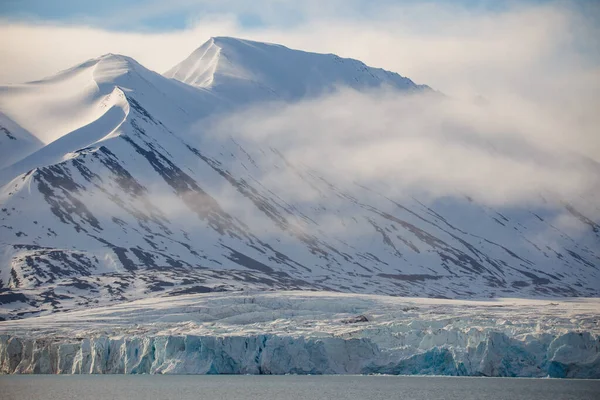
(308, 333)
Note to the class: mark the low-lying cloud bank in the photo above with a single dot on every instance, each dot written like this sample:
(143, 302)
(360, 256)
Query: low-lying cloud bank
(402, 145)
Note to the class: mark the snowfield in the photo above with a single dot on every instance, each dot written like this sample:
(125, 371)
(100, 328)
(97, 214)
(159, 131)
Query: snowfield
(311, 333)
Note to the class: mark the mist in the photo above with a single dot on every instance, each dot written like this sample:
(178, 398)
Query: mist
(425, 144)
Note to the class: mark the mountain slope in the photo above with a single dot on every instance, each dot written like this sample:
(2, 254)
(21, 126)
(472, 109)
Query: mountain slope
(126, 197)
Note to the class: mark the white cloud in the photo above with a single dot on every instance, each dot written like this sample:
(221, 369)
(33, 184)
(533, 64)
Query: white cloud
(39, 50)
(407, 144)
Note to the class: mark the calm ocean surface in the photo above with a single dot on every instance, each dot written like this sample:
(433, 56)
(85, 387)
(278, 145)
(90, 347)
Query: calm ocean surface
(224, 387)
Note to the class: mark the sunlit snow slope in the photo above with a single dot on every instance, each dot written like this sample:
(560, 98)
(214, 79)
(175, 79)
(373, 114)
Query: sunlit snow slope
(112, 191)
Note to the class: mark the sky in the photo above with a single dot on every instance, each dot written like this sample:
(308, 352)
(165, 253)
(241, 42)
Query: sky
(148, 15)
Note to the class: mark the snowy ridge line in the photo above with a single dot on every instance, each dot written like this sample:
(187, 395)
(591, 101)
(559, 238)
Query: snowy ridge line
(311, 333)
(276, 71)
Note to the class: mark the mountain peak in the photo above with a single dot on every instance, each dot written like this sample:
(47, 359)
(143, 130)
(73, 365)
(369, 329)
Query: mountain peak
(110, 66)
(230, 65)
(113, 57)
(230, 41)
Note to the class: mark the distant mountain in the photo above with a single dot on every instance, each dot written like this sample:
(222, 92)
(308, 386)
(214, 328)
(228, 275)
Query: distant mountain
(109, 193)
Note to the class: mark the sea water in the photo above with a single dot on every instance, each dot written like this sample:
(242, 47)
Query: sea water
(225, 387)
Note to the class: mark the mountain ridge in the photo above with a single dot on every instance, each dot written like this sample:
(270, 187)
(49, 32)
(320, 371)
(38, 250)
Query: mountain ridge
(274, 68)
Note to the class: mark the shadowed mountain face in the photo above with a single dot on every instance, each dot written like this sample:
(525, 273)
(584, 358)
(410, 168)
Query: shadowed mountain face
(112, 190)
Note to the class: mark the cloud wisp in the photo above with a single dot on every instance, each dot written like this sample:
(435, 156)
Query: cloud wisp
(417, 143)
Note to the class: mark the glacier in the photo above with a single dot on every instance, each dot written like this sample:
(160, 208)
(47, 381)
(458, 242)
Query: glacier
(311, 333)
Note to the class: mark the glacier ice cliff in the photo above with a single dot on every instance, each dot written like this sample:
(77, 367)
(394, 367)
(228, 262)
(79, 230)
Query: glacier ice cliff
(572, 355)
(311, 333)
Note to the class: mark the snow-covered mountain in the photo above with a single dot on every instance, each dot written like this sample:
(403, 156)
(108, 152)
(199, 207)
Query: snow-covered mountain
(112, 191)
(243, 70)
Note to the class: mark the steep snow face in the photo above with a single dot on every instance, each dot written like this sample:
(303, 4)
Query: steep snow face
(66, 101)
(72, 110)
(246, 70)
(311, 333)
(123, 198)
